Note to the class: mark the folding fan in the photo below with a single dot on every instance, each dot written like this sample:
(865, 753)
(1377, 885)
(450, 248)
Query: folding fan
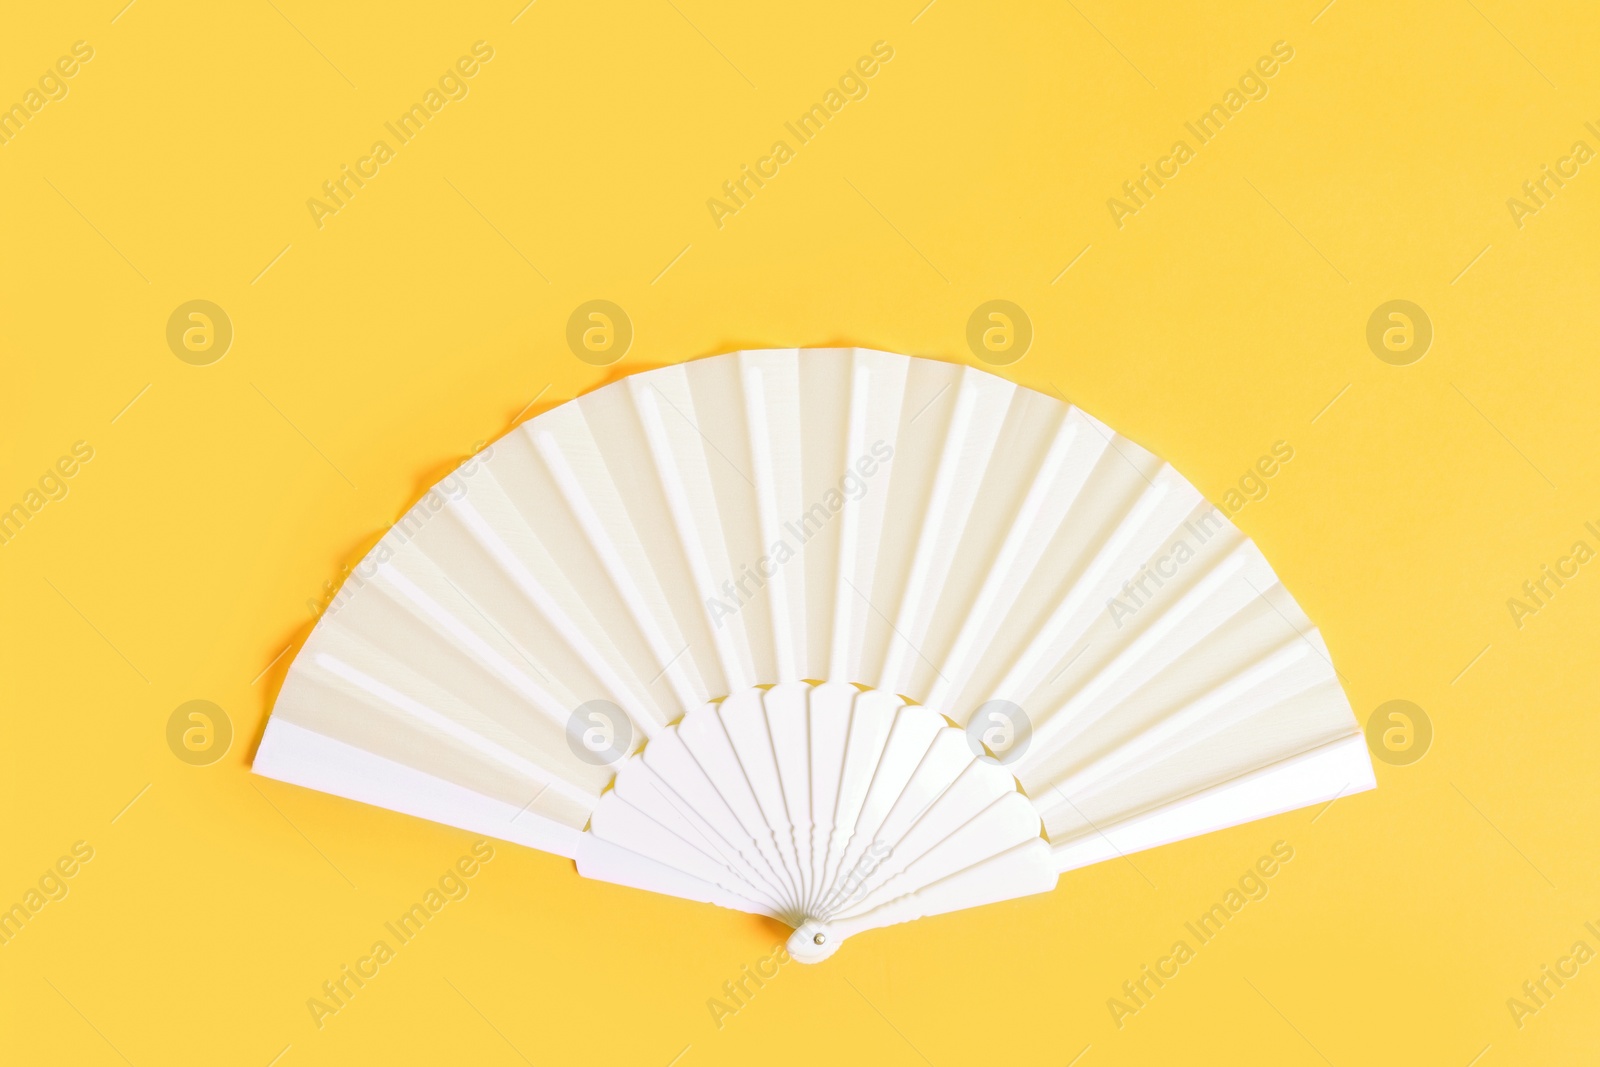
(836, 636)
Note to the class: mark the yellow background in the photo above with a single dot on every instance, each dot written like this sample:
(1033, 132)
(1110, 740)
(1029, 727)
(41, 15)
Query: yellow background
(378, 349)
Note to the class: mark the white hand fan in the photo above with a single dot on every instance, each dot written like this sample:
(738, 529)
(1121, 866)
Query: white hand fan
(852, 637)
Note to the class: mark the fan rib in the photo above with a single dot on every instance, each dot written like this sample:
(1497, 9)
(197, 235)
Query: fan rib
(1068, 722)
(670, 758)
(1001, 823)
(639, 831)
(1325, 772)
(476, 646)
(746, 803)
(633, 790)
(1196, 712)
(784, 653)
(611, 560)
(450, 728)
(871, 719)
(744, 719)
(828, 710)
(901, 836)
(1021, 678)
(913, 732)
(871, 724)
(935, 526)
(1006, 560)
(839, 657)
(630, 700)
(734, 668)
(783, 716)
(292, 753)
